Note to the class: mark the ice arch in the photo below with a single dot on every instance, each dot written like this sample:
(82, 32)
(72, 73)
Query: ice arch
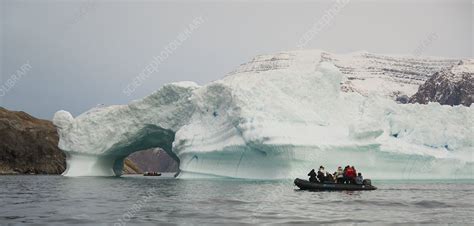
(150, 136)
(111, 162)
(97, 141)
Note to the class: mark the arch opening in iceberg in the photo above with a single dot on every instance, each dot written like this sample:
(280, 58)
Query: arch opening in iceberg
(111, 162)
(97, 142)
(150, 136)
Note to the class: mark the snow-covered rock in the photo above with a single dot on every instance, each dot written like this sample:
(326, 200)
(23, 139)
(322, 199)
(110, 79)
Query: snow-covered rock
(452, 86)
(278, 116)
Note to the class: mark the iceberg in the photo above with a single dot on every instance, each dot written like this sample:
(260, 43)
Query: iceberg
(279, 116)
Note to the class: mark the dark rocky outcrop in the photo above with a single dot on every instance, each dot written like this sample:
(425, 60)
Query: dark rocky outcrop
(129, 167)
(452, 86)
(30, 146)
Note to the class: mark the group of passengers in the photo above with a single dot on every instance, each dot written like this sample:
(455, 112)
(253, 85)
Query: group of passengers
(348, 175)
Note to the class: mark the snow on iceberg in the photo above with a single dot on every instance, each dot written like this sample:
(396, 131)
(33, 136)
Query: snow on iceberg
(276, 117)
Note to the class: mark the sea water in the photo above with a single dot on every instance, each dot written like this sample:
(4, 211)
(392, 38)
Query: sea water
(137, 199)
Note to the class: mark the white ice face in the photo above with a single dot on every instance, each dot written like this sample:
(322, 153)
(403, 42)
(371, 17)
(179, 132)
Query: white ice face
(278, 117)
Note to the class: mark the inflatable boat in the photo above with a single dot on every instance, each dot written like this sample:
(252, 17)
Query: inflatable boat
(152, 174)
(306, 185)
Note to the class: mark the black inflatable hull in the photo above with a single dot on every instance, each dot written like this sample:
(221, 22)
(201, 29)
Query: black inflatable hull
(152, 175)
(306, 185)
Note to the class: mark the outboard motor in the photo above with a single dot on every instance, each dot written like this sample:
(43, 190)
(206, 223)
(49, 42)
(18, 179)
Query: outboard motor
(367, 182)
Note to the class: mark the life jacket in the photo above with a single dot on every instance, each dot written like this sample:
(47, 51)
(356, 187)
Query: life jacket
(350, 172)
(345, 172)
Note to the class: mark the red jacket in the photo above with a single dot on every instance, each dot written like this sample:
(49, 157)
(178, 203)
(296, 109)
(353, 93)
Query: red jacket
(350, 173)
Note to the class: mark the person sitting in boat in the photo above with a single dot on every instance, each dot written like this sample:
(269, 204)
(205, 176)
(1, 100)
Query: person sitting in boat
(329, 178)
(312, 176)
(359, 179)
(355, 171)
(350, 175)
(339, 175)
(321, 174)
(345, 176)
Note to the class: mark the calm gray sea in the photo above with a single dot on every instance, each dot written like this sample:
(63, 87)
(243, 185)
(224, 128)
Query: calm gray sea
(138, 199)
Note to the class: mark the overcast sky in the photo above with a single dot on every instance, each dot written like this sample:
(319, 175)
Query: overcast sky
(81, 53)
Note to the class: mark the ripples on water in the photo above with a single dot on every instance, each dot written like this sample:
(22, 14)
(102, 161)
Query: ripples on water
(137, 199)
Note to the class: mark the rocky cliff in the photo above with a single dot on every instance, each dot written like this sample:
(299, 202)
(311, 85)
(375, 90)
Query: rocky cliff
(29, 146)
(453, 86)
(131, 168)
(388, 75)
